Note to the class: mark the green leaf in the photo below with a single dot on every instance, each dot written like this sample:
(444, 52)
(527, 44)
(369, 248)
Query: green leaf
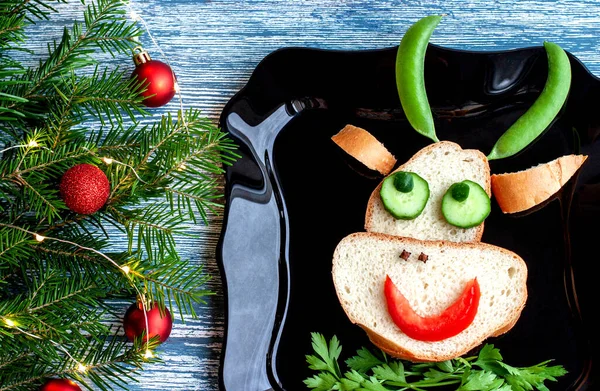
(323, 381)
(489, 353)
(373, 384)
(328, 354)
(481, 381)
(316, 363)
(530, 378)
(446, 366)
(354, 377)
(393, 371)
(363, 361)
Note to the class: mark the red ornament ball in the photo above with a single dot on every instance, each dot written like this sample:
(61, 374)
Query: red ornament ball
(158, 78)
(84, 188)
(135, 324)
(60, 385)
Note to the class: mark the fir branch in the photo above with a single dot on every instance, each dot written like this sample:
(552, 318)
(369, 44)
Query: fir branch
(11, 29)
(14, 247)
(104, 28)
(42, 199)
(37, 8)
(102, 95)
(173, 280)
(109, 362)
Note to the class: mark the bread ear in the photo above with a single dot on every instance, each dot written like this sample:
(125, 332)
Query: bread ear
(364, 147)
(522, 190)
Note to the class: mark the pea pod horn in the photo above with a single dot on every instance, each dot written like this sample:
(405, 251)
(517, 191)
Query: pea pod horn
(544, 109)
(410, 75)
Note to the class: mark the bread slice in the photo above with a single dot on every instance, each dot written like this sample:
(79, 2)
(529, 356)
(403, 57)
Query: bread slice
(364, 147)
(441, 164)
(522, 190)
(362, 260)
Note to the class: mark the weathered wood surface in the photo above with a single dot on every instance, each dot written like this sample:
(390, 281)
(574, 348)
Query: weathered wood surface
(213, 47)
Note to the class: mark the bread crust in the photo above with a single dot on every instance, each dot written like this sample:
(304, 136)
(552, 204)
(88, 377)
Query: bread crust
(364, 147)
(522, 190)
(398, 351)
(477, 231)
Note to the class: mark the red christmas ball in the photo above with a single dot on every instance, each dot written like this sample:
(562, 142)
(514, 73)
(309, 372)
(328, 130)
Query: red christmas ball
(60, 385)
(135, 324)
(158, 78)
(84, 188)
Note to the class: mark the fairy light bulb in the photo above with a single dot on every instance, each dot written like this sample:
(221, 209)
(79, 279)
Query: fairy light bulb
(33, 144)
(39, 238)
(148, 354)
(135, 16)
(125, 269)
(9, 322)
(82, 368)
(107, 160)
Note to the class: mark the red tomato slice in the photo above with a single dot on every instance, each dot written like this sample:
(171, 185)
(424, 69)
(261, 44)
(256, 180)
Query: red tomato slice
(454, 319)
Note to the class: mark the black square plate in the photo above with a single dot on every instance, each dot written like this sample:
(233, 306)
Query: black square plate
(294, 195)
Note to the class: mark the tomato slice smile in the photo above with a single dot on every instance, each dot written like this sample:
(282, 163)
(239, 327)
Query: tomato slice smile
(454, 319)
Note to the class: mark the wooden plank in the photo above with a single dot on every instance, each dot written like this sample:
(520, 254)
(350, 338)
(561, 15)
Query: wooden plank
(213, 47)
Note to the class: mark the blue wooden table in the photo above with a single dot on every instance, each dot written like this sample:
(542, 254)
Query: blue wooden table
(213, 46)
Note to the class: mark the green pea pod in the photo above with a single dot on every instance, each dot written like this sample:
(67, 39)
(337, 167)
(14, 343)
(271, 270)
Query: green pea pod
(410, 75)
(543, 111)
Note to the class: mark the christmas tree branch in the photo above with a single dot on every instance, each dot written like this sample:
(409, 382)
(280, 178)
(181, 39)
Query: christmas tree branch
(108, 362)
(37, 8)
(105, 28)
(103, 95)
(58, 269)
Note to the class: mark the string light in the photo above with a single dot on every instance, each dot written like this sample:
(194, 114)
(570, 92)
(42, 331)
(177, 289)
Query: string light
(110, 161)
(30, 144)
(148, 354)
(80, 367)
(125, 269)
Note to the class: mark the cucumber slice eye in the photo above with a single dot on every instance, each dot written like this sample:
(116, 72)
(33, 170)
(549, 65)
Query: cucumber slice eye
(403, 182)
(404, 195)
(466, 204)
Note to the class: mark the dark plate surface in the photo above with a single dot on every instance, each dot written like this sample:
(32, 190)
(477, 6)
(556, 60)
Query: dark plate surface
(294, 195)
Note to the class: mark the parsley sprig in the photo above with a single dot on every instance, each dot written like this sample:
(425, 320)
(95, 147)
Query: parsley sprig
(378, 372)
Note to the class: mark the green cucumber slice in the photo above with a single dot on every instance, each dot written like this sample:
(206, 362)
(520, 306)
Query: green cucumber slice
(469, 212)
(404, 205)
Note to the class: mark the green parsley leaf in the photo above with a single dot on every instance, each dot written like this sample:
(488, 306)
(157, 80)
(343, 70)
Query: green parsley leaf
(363, 361)
(481, 381)
(374, 385)
(327, 356)
(392, 372)
(323, 381)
